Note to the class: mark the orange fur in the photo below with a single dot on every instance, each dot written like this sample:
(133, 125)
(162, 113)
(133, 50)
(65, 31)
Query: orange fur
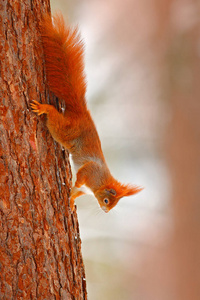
(75, 129)
(64, 61)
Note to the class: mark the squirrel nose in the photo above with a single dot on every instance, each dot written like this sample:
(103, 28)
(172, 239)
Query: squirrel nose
(104, 208)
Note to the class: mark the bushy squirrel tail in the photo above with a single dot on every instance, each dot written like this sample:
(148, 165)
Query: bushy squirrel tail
(64, 61)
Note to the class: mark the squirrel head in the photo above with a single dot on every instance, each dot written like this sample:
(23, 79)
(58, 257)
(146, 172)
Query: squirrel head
(109, 195)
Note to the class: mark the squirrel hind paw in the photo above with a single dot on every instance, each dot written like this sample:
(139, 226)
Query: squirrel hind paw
(36, 107)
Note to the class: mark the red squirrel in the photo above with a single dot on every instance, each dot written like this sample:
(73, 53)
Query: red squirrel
(74, 129)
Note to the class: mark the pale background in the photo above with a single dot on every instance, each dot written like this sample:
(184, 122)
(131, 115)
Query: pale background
(142, 61)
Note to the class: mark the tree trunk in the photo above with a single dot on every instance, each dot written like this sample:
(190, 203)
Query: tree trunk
(40, 247)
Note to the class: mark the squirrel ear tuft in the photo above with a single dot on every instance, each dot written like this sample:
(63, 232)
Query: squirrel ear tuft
(131, 190)
(125, 190)
(119, 190)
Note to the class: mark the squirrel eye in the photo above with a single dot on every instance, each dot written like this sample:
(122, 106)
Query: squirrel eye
(106, 201)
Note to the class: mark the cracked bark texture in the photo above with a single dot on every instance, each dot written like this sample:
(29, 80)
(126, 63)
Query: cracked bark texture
(40, 247)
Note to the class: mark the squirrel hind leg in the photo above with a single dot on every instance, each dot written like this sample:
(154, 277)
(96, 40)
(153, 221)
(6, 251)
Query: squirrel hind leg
(39, 108)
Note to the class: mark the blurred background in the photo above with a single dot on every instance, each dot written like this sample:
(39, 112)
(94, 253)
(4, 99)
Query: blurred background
(143, 70)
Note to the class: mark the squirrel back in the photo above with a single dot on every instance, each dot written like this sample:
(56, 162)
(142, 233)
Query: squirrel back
(64, 61)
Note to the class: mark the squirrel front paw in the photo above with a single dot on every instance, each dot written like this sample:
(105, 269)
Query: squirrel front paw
(75, 192)
(72, 204)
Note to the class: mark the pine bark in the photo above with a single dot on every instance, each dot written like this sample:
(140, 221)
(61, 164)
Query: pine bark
(40, 246)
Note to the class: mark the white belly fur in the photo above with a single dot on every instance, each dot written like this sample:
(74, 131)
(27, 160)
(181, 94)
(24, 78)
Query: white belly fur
(85, 190)
(75, 168)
